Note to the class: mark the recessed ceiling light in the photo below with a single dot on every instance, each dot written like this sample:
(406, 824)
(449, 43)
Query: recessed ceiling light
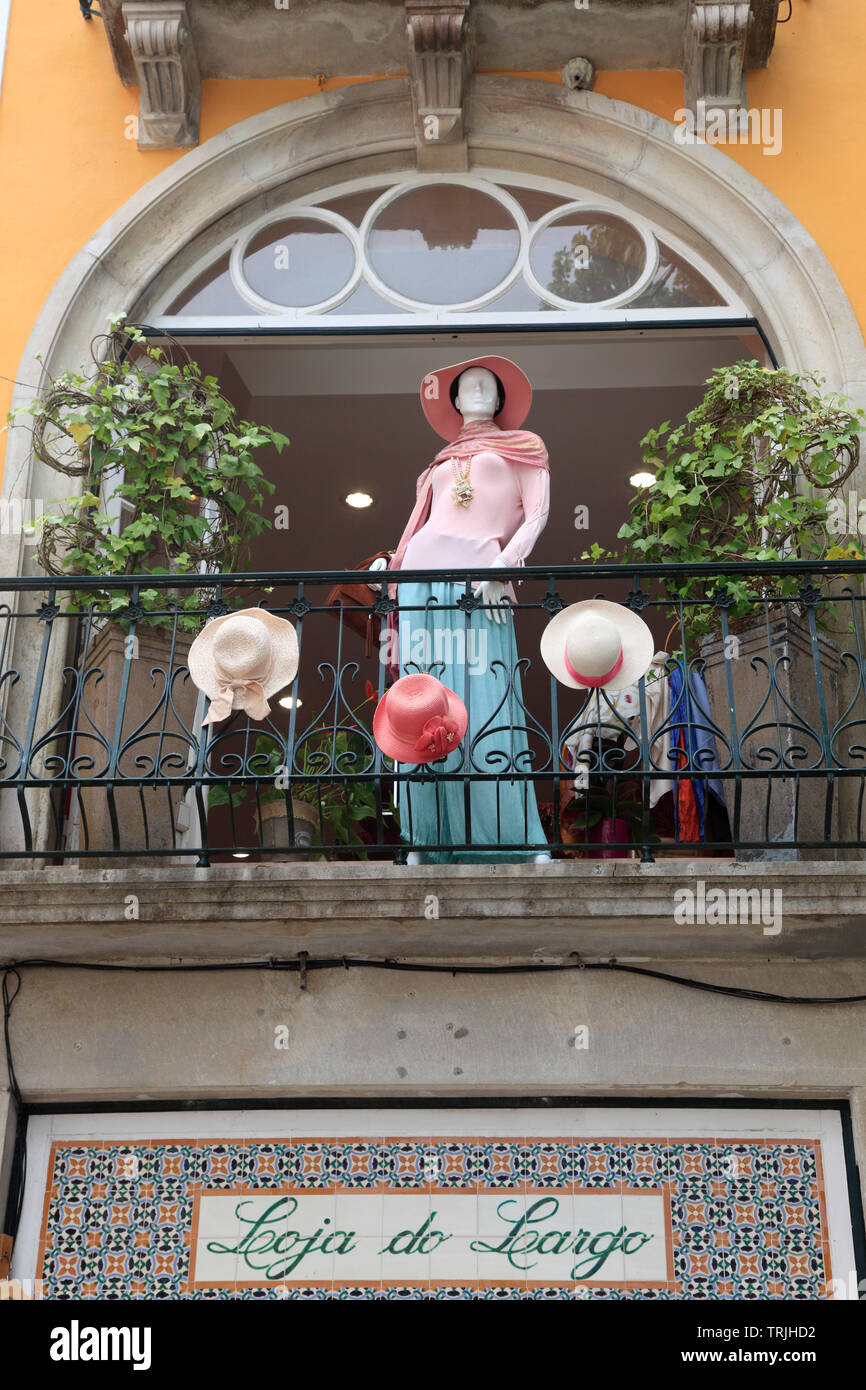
(359, 499)
(240, 854)
(289, 702)
(642, 479)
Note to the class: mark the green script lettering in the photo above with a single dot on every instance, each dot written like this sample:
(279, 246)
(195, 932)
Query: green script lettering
(507, 1247)
(291, 1246)
(415, 1242)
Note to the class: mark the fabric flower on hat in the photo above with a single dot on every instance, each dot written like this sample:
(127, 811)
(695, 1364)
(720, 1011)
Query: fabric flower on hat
(438, 737)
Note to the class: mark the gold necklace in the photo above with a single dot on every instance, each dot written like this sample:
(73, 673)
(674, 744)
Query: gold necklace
(462, 491)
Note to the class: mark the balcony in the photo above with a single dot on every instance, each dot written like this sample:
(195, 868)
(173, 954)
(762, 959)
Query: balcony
(105, 758)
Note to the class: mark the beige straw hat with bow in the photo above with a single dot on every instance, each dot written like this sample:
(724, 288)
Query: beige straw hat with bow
(242, 659)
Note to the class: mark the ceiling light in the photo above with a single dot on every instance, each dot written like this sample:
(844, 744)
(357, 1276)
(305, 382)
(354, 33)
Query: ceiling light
(240, 854)
(289, 702)
(359, 499)
(642, 479)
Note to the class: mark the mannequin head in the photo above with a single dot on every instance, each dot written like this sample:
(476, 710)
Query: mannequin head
(477, 394)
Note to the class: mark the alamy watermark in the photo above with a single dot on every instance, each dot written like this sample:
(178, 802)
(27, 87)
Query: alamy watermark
(721, 906)
(418, 646)
(736, 125)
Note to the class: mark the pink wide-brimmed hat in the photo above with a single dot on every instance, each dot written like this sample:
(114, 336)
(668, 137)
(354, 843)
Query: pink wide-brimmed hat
(597, 645)
(419, 720)
(444, 416)
(241, 659)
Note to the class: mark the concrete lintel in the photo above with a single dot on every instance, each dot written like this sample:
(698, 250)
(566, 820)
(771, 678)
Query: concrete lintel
(82, 1035)
(299, 38)
(807, 911)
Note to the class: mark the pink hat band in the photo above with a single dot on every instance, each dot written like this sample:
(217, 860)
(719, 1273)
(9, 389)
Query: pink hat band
(591, 680)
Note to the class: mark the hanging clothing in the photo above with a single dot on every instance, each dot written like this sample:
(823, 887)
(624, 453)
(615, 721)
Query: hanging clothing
(603, 716)
(693, 737)
(626, 710)
(478, 661)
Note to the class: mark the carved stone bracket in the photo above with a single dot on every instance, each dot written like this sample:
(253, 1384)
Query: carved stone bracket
(715, 53)
(438, 66)
(160, 41)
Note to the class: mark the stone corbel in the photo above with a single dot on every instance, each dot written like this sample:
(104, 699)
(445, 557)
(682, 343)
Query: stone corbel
(160, 42)
(438, 67)
(715, 52)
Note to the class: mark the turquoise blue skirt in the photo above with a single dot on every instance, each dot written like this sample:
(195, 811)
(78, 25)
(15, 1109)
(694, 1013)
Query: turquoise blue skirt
(477, 659)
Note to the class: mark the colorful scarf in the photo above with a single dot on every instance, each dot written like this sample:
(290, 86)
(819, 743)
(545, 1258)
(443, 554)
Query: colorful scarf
(516, 446)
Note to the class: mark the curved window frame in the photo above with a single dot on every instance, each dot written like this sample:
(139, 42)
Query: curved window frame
(266, 314)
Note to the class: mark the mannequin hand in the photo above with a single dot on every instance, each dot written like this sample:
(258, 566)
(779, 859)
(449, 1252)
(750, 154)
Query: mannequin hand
(380, 564)
(491, 592)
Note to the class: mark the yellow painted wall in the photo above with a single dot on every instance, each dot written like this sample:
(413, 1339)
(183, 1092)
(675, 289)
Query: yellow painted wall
(66, 163)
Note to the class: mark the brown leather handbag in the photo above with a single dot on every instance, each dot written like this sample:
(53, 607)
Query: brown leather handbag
(354, 602)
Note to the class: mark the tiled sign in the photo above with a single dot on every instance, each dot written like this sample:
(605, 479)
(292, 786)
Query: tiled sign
(538, 1217)
(486, 1237)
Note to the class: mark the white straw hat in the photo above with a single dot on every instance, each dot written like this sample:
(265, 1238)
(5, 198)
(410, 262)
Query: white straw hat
(597, 645)
(241, 659)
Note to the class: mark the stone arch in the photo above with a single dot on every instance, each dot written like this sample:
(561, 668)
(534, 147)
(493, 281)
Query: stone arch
(700, 193)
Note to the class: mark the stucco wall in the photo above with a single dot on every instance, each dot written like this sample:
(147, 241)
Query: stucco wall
(66, 163)
(91, 1037)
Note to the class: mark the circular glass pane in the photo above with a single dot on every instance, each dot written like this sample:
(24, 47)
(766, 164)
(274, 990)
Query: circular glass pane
(443, 244)
(587, 257)
(298, 261)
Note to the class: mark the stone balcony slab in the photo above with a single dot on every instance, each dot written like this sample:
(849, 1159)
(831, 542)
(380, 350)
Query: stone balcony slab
(600, 910)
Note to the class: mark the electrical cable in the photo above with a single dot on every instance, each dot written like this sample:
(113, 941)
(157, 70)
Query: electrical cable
(18, 1167)
(297, 964)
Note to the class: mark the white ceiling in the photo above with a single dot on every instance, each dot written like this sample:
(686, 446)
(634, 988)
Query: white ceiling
(553, 362)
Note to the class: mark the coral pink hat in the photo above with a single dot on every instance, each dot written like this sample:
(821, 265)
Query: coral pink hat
(447, 420)
(419, 720)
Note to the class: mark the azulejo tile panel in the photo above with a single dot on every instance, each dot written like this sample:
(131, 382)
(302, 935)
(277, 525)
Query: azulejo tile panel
(442, 1218)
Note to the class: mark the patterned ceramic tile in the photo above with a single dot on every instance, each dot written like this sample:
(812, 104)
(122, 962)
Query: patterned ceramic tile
(747, 1217)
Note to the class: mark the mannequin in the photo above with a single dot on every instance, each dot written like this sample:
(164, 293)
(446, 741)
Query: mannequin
(481, 504)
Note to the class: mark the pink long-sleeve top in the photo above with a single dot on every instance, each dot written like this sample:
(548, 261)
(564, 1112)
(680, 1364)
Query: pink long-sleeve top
(507, 514)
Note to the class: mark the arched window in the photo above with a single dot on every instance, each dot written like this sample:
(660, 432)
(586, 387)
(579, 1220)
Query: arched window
(438, 248)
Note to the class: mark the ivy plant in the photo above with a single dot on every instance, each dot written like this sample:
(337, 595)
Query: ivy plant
(171, 480)
(750, 474)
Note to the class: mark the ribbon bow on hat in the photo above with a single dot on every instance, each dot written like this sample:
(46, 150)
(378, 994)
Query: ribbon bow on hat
(248, 694)
(242, 659)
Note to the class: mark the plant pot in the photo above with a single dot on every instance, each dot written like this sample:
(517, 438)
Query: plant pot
(274, 830)
(780, 808)
(610, 833)
(152, 739)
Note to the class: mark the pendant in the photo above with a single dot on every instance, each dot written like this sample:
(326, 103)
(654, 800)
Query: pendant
(462, 492)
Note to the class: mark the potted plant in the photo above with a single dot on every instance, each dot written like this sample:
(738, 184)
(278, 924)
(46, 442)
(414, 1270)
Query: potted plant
(598, 816)
(171, 482)
(171, 485)
(729, 486)
(332, 756)
(267, 762)
(755, 472)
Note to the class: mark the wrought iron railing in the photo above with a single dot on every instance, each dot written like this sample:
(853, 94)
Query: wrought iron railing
(103, 753)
